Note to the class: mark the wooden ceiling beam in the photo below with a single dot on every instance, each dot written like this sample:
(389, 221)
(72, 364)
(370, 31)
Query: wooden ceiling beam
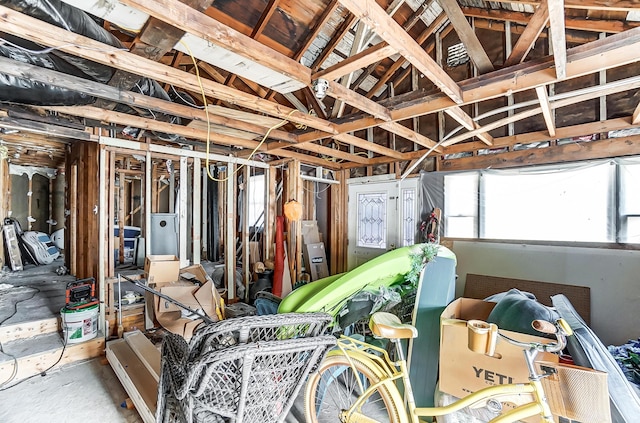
(344, 94)
(435, 25)
(465, 120)
(607, 5)
(386, 27)
(546, 110)
(335, 39)
(636, 115)
(543, 136)
(324, 18)
(201, 25)
(367, 145)
(358, 61)
(132, 99)
(531, 33)
(46, 34)
(584, 95)
(326, 151)
(558, 39)
(125, 119)
(409, 134)
(571, 152)
(467, 35)
(269, 9)
(592, 25)
(615, 50)
(410, 23)
(574, 37)
(257, 30)
(49, 35)
(156, 39)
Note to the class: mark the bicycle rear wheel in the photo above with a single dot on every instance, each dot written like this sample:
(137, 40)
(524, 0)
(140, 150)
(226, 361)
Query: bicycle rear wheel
(334, 388)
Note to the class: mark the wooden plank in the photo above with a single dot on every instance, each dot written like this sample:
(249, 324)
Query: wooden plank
(546, 110)
(636, 115)
(616, 50)
(355, 62)
(613, 147)
(435, 26)
(190, 20)
(559, 42)
(356, 45)
(374, 16)
(467, 35)
(196, 211)
(335, 39)
(344, 94)
(134, 376)
(37, 363)
(144, 349)
(17, 23)
(531, 33)
(229, 228)
(244, 236)
(184, 205)
(465, 120)
(155, 39)
(28, 329)
(411, 135)
(541, 136)
(242, 121)
(322, 20)
(590, 24)
(608, 5)
(150, 124)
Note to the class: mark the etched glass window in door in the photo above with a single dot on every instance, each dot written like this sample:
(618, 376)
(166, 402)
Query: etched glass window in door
(408, 216)
(372, 220)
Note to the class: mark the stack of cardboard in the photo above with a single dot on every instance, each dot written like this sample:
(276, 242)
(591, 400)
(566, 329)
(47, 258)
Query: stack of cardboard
(315, 258)
(164, 274)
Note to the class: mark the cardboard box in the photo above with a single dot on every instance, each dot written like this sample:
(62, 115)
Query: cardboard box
(316, 261)
(310, 233)
(161, 269)
(170, 316)
(196, 270)
(463, 371)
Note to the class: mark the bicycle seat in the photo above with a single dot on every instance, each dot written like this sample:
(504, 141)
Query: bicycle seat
(387, 325)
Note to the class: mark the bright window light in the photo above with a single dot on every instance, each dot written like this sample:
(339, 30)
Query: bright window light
(561, 205)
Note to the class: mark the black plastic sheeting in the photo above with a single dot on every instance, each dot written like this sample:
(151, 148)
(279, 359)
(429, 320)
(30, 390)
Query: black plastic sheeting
(24, 91)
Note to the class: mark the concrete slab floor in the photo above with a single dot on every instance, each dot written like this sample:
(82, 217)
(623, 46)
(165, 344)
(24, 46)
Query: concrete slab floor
(86, 391)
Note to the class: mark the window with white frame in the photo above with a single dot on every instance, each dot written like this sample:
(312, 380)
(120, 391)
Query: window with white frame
(629, 216)
(573, 203)
(461, 204)
(256, 200)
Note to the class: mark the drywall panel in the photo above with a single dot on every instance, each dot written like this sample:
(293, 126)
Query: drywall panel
(613, 276)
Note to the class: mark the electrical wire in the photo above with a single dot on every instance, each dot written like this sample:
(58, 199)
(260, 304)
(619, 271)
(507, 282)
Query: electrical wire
(185, 100)
(204, 101)
(3, 385)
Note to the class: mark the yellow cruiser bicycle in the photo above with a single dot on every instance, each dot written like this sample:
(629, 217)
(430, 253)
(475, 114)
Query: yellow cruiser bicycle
(357, 381)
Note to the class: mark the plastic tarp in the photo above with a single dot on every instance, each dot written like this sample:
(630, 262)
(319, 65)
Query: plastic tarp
(24, 91)
(587, 350)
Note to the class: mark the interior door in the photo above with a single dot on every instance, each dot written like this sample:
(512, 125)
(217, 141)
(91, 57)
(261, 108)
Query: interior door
(382, 216)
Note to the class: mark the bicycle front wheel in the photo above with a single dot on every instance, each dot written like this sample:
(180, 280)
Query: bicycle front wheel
(334, 388)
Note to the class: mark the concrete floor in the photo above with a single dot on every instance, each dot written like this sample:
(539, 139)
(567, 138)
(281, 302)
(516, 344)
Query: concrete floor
(85, 391)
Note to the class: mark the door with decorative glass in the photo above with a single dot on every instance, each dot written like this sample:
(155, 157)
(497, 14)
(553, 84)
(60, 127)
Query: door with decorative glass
(382, 214)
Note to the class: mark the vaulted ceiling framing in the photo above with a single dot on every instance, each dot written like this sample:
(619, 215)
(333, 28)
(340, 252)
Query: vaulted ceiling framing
(256, 63)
